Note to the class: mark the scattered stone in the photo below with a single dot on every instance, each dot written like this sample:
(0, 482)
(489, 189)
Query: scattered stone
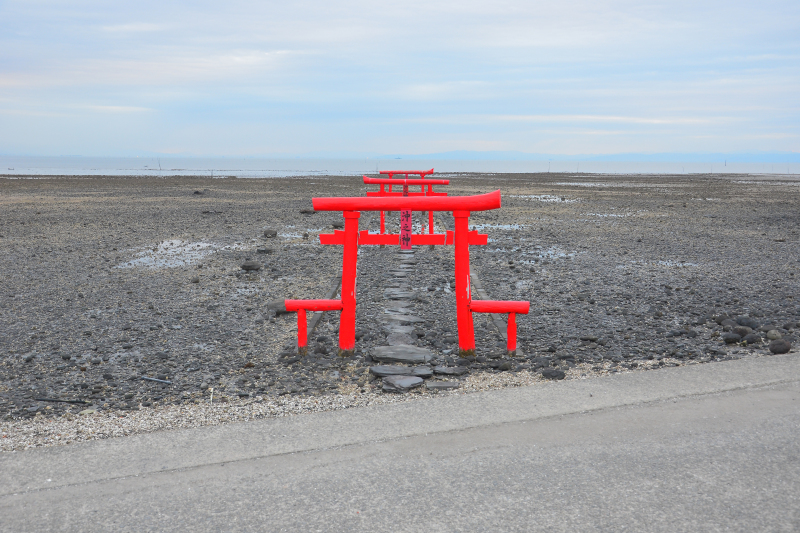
(747, 321)
(752, 338)
(774, 335)
(780, 346)
(553, 373)
(251, 265)
(401, 383)
(731, 338)
(270, 233)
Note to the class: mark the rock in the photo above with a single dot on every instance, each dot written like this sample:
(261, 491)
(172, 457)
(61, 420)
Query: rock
(752, 338)
(450, 370)
(590, 338)
(774, 334)
(264, 250)
(307, 212)
(747, 321)
(553, 373)
(401, 383)
(742, 330)
(422, 371)
(442, 385)
(392, 370)
(87, 411)
(731, 338)
(270, 233)
(339, 224)
(780, 346)
(540, 362)
(729, 322)
(402, 353)
(251, 265)
(195, 280)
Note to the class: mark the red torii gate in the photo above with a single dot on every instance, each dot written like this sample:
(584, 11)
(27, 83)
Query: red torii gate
(421, 182)
(350, 238)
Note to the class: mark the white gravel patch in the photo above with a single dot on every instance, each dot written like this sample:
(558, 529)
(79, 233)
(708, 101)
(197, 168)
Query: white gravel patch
(41, 431)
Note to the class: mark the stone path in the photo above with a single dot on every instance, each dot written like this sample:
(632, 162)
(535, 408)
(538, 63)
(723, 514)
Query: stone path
(412, 363)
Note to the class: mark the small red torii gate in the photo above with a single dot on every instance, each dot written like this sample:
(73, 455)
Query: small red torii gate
(461, 237)
(426, 186)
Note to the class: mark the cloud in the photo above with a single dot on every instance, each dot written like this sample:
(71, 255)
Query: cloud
(309, 75)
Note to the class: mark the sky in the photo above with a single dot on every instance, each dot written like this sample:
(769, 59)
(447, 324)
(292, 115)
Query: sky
(357, 78)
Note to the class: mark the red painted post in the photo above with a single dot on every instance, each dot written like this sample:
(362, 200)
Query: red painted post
(347, 321)
(511, 333)
(302, 332)
(466, 330)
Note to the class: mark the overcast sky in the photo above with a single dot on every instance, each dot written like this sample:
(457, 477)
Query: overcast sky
(413, 77)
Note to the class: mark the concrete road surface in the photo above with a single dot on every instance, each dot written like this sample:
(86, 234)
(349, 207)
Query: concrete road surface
(702, 448)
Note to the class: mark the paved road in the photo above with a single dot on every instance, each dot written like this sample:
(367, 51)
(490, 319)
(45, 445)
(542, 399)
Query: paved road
(701, 448)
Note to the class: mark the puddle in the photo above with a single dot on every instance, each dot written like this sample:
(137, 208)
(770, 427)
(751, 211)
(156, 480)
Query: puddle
(536, 254)
(545, 198)
(495, 226)
(628, 184)
(176, 253)
(667, 263)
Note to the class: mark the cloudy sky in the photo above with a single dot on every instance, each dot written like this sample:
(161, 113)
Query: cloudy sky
(412, 77)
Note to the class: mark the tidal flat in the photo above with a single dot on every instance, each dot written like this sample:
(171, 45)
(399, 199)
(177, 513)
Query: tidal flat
(107, 281)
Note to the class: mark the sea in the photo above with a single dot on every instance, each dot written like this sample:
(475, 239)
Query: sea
(222, 167)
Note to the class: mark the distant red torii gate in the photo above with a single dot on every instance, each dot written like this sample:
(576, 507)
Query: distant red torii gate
(350, 238)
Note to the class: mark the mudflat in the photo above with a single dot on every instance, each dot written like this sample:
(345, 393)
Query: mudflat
(125, 298)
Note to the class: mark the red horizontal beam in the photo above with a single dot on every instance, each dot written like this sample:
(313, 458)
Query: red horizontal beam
(480, 202)
(422, 173)
(398, 193)
(415, 181)
(313, 305)
(393, 239)
(499, 306)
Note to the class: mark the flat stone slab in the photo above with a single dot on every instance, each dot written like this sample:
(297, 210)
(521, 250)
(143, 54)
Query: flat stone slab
(442, 385)
(397, 328)
(403, 353)
(398, 294)
(400, 383)
(393, 370)
(407, 319)
(423, 372)
(399, 310)
(450, 370)
(395, 339)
